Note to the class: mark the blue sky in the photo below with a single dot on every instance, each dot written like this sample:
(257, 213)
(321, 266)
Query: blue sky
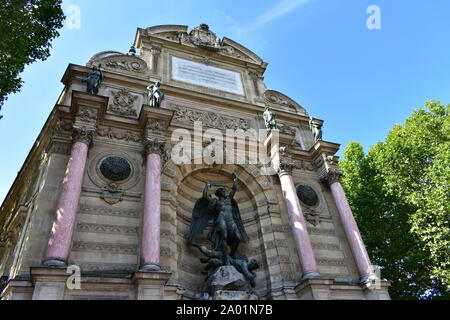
(320, 53)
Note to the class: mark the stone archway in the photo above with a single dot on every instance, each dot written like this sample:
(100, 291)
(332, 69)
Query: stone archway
(182, 186)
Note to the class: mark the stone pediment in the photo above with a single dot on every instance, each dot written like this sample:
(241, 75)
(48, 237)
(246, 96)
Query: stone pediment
(278, 100)
(203, 37)
(117, 61)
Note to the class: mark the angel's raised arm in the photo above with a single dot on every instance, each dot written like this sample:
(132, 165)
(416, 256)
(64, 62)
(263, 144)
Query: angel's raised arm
(205, 190)
(234, 187)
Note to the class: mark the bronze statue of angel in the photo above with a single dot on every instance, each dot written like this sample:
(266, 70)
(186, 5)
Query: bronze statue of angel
(227, 228)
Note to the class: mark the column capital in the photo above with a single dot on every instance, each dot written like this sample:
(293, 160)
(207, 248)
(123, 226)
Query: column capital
(83, 134)
(285, 167)
(331, 176)
(155, 146)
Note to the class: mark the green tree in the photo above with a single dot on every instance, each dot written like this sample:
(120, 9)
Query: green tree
(27, 28)
(400, 195)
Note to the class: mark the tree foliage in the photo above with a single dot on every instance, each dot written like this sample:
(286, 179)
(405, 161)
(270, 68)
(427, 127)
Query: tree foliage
(27, 28)
(400, 195)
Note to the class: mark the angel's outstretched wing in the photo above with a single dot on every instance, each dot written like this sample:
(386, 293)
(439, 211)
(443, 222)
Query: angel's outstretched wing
(200, 218)
(238, 220)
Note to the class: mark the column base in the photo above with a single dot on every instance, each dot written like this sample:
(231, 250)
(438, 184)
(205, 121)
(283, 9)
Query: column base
(150, 267)
(150, 285)
(368, 278)
(314, 289)
(49, 283)
(54, 263)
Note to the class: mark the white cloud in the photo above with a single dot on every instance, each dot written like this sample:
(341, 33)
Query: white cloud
(282, 8)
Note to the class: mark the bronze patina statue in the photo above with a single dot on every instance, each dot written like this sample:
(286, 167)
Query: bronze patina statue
(94, 80)
(155, 95)
(227, 230)
(316, 128)
(270, 119)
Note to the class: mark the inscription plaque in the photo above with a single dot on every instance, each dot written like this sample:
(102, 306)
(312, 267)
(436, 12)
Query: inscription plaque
(207, 76)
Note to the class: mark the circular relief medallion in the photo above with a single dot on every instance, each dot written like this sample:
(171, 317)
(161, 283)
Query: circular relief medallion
(307, 195)
(115, 168)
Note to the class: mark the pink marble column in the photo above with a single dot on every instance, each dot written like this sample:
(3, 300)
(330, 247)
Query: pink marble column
(150, 247)
(351, 229)
(64, 223)
(298, 224)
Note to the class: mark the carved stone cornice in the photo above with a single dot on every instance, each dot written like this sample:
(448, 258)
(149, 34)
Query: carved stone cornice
(255, 75)
(332, 176)
(155, 146)
(83, 134)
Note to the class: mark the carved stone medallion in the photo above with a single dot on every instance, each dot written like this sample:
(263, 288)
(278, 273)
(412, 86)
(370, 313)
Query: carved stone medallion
(307, 195)
(115, 168)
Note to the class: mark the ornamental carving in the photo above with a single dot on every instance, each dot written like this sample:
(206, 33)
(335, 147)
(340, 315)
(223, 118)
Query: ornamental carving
(119, 134)
(210, 119)
(332, 160)
(204, 38)
(87, 114)
(123, 103)
(155, 146)
(332, 176)
(83, 134)
(286, 128)
(277, 98)
(119, 61)
(286, 167)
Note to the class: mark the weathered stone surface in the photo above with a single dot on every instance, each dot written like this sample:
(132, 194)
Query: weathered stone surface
(226, 279)
(234, 295)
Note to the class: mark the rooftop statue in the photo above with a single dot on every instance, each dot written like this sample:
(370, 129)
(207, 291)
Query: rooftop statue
(316, 128)
(155, 95)
(94, 80)
(270, 119)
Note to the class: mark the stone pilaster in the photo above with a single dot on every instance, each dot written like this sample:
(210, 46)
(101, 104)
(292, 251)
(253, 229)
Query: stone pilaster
(150, 253)
(297, 220)
(59, 244)
(365, 268)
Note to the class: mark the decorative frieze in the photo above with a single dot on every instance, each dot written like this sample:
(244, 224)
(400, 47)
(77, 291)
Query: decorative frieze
(111, 229)
(321, 232)
(108, 211)
(105, 247)
(91, 267)
(331, 262)
(209, 119)
(325, 246)
(119, 134)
